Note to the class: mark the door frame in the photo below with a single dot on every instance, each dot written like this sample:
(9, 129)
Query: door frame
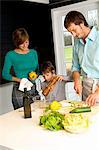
(58, 38)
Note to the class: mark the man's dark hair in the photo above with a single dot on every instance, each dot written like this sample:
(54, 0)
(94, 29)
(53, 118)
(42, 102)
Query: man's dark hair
(74, 17)
(47, 67)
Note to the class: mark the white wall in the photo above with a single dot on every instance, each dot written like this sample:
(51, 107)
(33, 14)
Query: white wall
(39, 1)
(6, 98)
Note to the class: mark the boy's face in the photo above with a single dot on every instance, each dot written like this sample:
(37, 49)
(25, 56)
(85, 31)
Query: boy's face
(48, 76)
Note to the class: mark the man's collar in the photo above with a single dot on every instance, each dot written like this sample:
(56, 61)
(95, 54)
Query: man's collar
(93, 34)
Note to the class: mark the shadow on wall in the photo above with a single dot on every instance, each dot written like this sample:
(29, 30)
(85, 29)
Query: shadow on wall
(6, 98)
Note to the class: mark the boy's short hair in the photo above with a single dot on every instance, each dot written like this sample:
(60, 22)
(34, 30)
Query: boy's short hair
(75, 17)
(47, 67)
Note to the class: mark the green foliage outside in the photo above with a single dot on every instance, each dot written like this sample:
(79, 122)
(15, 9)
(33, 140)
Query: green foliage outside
(68, 54)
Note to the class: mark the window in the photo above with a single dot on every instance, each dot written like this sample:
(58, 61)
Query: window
(93, 17)
(68, 46)
(63, 40)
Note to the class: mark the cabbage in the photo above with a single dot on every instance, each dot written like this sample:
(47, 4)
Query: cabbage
(52, 120)
(75, 122)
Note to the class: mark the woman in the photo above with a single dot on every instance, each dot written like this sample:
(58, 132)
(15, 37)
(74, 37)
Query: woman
(23, 60)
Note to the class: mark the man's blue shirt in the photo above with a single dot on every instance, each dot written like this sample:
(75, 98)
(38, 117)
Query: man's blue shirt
(86, 56)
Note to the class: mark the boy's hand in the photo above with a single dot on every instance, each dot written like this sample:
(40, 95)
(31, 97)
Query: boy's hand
(61, 78)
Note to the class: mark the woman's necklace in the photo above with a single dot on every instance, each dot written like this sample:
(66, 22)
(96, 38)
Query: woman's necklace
(22, 51)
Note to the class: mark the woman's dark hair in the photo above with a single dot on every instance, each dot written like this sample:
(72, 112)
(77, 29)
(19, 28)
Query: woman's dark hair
(74, 17)
(19, 36)
(47, 67)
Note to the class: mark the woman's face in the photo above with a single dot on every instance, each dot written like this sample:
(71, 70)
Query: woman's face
(48, 76)
(24, 46)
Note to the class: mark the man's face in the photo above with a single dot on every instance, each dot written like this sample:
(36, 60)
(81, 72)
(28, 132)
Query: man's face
(76, 30)
(48, 76)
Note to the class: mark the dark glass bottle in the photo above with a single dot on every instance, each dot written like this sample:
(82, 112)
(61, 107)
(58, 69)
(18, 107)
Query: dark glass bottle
(35, 90)
(26, 105)
(36, 93)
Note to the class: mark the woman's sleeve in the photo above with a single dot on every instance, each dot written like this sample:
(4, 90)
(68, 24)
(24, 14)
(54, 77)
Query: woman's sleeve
(6, 68)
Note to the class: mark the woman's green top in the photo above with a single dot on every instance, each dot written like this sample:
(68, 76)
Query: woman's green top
(21, 63)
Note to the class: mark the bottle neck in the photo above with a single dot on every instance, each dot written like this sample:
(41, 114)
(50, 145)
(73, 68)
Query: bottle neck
(25, 90)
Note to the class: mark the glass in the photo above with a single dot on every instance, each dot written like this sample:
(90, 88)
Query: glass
(43, 104)
(93, 17)
(39, 104)
(67, 39)
(68, 46)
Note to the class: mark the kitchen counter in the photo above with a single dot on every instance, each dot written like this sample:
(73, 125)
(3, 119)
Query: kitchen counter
(18, 133)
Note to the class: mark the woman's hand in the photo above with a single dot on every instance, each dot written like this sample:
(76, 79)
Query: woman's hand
(32, 75)
(91, 99)
(16, 79)
(32, 79)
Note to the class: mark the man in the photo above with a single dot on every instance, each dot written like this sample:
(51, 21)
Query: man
(85, 61)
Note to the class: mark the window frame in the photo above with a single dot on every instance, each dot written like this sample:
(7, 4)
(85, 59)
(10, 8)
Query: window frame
(58, 38)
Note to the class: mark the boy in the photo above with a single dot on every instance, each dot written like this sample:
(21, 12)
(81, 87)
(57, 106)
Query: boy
(54, 85)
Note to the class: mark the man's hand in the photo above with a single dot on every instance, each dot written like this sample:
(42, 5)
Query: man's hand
(91, 99)
(77, 82)
(78, 87)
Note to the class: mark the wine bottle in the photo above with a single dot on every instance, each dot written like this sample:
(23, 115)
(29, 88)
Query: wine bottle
(26, 105)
